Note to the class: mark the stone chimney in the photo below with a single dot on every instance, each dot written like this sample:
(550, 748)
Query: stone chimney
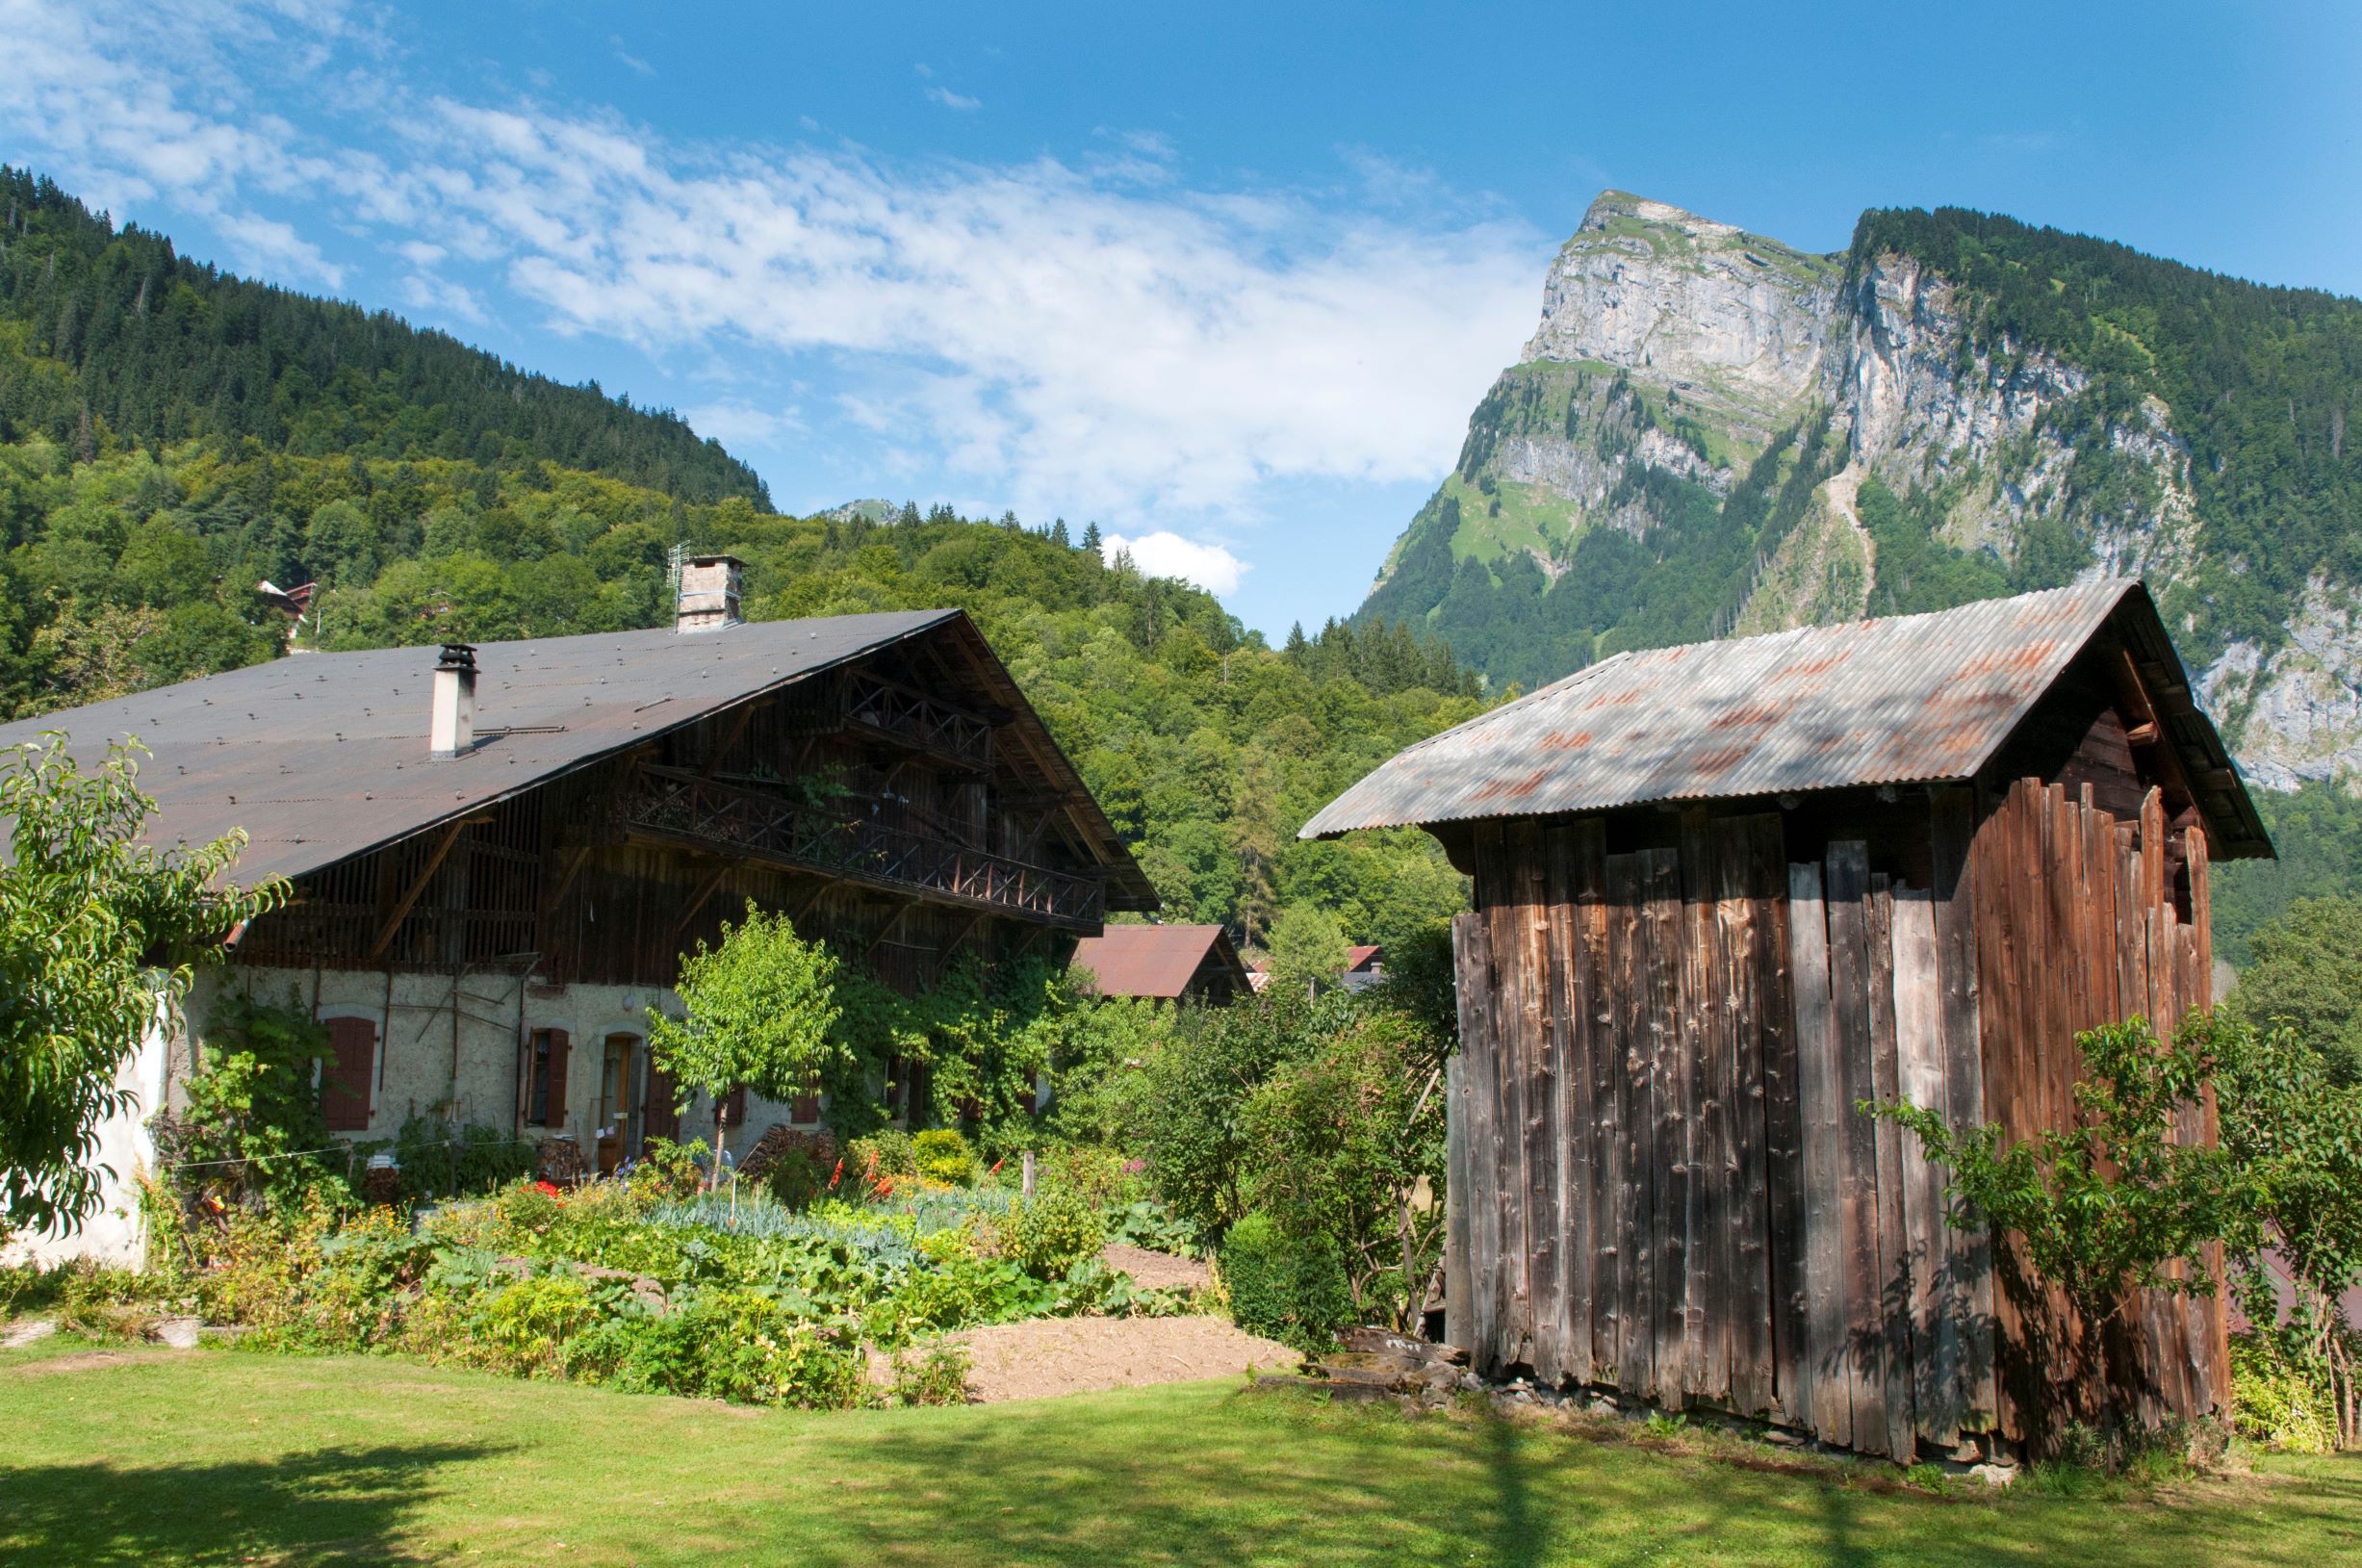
(707, 598)
(453, 727)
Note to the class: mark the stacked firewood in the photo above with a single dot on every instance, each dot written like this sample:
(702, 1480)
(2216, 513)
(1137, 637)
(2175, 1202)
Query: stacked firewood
(558, 1160)
(777, 1144)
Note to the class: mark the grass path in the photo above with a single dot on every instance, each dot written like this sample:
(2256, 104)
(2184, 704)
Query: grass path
(156, 1457)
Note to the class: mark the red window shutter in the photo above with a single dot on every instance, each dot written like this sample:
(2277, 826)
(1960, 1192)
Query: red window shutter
(733, 1107)
(806, 1108)
(662, 1117)
(346, 1074)
(555, 1114)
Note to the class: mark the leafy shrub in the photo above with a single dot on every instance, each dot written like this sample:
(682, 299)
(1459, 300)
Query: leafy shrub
(736, 1345)
(530, 1206)
(670, 1170)
(943, 1155)
(525, 1328)
(1048, 1235)
(441, 1159)
(1148, 1223)
(797, 1177)
(2279, 1402)
(252, 1116)
(935, 1375)
(83, 1297)
(1289, 1288)
(885, 1153)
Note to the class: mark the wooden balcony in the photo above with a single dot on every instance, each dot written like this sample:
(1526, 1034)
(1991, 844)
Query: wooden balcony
(684, 807)
(899, 715)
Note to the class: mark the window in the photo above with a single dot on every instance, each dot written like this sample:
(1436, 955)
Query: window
(349, 1074)
(545, 1104)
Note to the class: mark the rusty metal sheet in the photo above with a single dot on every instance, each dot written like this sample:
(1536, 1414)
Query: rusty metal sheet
(1904, 699)
(322, 757)
(1148, 961)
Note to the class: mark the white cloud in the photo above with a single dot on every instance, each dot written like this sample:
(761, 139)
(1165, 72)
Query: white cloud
(952, 100)
(731, 422)
(1167, 554)
(1090, 337)
(268, 246)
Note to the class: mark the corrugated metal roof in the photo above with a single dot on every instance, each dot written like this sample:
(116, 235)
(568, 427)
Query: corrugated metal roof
(1905, 699)
(322, 757)
(1148, 960)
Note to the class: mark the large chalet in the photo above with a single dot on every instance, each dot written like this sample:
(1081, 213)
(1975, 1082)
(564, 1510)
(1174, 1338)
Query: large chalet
(497, 854)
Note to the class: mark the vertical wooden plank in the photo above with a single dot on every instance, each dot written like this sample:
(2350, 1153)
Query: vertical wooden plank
(1537, 1060)
(1635, 1266)
(1894, 1282)
(2216, 1354)
(1705, 1019)
(1472, 952)
(1919, 1068)
(1745, 1177)
(1660, 873)
(1501, 871)
(1776, 1034)
(1456, 1179)
(1572, 1101)
(1601, 938)
(1966, 1331)
(1848, 893)
(1819, 1090)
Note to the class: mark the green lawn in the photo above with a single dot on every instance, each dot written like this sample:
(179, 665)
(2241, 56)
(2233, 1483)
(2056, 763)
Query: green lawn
(164, 1458)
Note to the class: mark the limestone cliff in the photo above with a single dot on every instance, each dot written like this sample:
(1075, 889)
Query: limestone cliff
(1711, 431)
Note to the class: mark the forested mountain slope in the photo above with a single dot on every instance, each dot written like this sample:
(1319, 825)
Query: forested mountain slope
(1711, 433)
(170, 436)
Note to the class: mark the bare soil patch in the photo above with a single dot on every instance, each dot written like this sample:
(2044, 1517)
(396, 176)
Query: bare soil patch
(1043, 1357)
(77, 1361)
(1158, 1270)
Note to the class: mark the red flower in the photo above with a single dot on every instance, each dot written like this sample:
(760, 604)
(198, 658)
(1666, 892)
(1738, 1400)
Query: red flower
(549, 1188)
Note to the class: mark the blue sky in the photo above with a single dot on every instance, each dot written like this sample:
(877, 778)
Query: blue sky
(1226, 279)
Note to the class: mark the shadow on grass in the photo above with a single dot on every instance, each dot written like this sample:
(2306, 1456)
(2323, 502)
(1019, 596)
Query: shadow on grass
(330, 1506)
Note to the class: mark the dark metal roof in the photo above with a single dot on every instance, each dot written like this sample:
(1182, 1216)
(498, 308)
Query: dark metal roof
(324, 756)
(1154, 961)
(1905, 699)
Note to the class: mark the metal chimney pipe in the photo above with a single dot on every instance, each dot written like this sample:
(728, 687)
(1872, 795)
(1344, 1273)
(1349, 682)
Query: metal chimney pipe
(454, 728)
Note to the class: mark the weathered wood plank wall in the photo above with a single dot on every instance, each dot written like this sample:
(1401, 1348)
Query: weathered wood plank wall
(1660, 1179)
(2080, 923)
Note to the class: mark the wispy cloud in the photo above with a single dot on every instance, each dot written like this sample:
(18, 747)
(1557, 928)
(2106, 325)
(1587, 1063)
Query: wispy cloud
(937, 94)
(629, 59)
(1088, 337)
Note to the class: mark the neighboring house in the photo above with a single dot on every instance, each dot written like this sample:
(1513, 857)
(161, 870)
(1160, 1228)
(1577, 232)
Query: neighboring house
(1364, 968)
(498, 856)
(1170, 964)
(1726, 892)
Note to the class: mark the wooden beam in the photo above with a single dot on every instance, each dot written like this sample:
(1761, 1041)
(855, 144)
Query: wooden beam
(730, 737)
(697, 901)
(567, 872)
(884, 930)
(418, 884)
(811, 900)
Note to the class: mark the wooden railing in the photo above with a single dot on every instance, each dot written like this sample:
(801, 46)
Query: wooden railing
(685, 808)
(917, 719)
(899, 715)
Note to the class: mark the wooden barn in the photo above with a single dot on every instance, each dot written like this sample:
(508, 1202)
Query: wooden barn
(499, 854)
(1726, 892)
